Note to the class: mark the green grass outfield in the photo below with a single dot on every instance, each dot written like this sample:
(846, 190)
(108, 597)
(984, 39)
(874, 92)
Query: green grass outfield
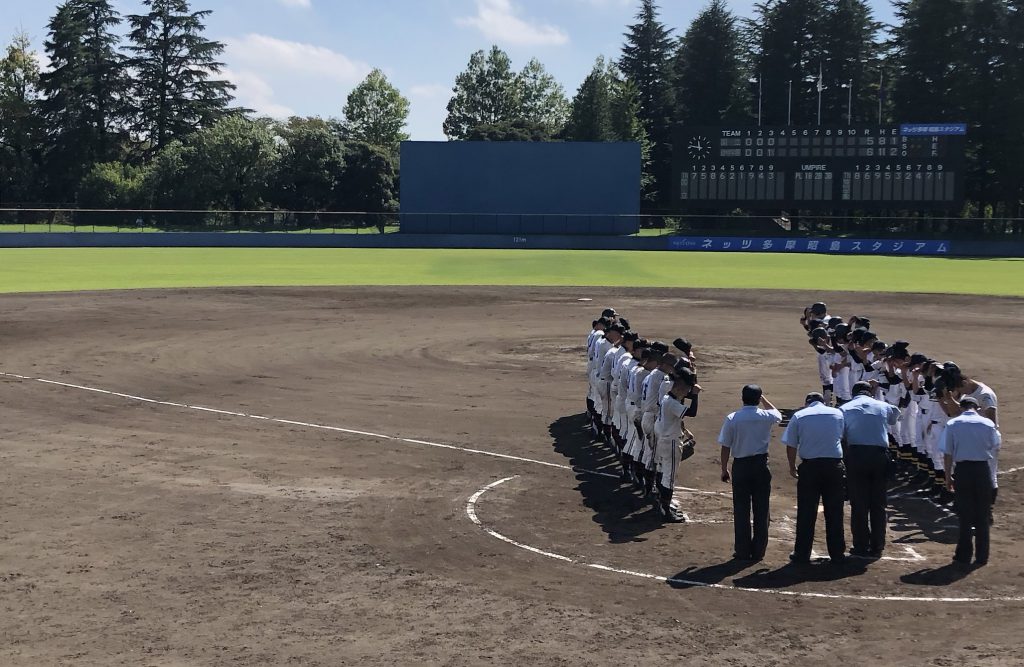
(69, 269)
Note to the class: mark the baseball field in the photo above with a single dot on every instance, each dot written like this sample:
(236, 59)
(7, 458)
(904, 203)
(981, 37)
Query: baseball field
(328, 457)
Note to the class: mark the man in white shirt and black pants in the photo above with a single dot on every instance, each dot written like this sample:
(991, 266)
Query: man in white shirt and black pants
(745, 436)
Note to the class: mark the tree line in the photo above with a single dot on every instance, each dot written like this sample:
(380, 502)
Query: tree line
(149, 121)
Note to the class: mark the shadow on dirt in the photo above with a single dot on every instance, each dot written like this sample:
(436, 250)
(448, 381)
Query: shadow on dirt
(793, 574)
(618, 509)
(939, 576)
(713, 574)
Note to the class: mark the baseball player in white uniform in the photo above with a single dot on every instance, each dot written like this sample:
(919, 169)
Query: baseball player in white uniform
(674, 407)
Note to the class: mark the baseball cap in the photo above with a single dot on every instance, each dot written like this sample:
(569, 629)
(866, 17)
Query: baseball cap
(814, 397)
(624, 322)
(658, 346)
(609, 312)
(918, 358)
(819, 308)
(682, 345)
(631, 336)
(969, 403)
(617, 328)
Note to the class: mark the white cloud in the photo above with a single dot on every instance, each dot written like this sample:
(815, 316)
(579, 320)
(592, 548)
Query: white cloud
(274, 74)
(253, 92)
(271, 55)
(498, 21)
(304, 4)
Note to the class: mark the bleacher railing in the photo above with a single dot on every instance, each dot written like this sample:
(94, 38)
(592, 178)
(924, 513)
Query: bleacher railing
(51, 220)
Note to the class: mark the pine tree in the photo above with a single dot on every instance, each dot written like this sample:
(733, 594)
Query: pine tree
(484, 94)
(176, 87)
(930, 51)
(590, 113)
(1012, 158)
(84, 103)
(646, 61)
(985, 81)
(787, 60)
(708, 70)
(852, 56)
(20, 126)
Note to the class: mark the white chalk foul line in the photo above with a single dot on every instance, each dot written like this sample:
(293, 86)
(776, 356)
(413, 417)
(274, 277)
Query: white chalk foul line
(336, 429)
(474, 517)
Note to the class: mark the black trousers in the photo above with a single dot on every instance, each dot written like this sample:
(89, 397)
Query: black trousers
(820, 480)
(751, 488)
(974, 487)
(867, 470)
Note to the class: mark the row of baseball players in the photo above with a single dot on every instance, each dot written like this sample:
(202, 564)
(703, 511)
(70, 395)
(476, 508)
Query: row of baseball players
(640, 393)
(927, 392)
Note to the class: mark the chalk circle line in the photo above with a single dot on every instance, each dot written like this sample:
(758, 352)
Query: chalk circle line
(471, 512)
(472, 502)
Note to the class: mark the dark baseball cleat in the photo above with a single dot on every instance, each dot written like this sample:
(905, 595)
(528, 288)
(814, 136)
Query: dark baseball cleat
(799, 560)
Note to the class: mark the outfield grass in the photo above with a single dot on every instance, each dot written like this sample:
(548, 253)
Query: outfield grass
(69, 269)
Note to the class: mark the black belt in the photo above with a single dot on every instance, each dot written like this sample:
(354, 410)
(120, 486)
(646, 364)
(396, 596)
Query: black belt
(755, 457)
(875, 446)
(823, 459)
(971, 463)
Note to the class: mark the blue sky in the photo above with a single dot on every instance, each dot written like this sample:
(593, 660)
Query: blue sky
(304, 56)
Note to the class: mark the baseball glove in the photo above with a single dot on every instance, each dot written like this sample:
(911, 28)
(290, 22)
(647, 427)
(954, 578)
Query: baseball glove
(688, 446)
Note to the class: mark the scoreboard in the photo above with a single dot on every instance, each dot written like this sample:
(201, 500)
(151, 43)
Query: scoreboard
(918, 166)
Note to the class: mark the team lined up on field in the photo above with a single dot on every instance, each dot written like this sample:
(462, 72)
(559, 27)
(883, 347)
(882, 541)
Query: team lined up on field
(926, 391)
(639, 394)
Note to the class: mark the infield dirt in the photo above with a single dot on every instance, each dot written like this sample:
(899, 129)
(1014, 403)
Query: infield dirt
(142, 534)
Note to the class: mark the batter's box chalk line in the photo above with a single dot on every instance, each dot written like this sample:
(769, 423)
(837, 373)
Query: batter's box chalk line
(470, 507)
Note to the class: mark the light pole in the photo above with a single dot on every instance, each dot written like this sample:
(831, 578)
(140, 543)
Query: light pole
(789, 113)
(759, 97)
(881, 93)
(849, 103)
(821, 87)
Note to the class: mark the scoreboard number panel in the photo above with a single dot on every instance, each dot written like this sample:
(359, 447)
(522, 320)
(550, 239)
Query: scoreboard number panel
(859, 167)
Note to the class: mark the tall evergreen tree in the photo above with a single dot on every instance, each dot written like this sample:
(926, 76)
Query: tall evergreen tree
(984, 88)
(590, 113)
(647, 62)
(20, 125)
(484, 94)
(176, 87)
(852, 56)
(708, 69)
(84, 103)
(931, 48)
(788, 60)
(1013, 156)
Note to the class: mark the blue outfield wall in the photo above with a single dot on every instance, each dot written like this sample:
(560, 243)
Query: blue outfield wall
(509, 188)
(826, 246)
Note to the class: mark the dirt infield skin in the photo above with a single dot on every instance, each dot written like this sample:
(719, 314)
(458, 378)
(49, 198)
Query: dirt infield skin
(145, 534)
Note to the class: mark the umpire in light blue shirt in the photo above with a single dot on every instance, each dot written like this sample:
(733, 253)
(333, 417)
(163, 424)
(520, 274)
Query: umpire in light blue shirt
(970, 443)
(866, 436)
(815, 435)
(745, 436)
